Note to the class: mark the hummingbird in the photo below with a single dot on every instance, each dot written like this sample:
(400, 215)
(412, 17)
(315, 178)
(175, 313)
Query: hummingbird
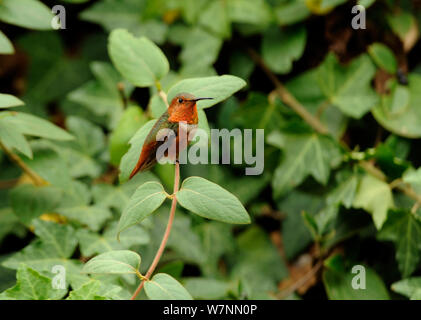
(183, 108)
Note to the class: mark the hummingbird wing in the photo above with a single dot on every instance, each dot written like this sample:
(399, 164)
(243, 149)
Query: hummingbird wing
(147, 158)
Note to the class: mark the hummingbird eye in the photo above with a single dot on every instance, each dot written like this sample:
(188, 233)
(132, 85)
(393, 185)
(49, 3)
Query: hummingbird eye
(180, 100)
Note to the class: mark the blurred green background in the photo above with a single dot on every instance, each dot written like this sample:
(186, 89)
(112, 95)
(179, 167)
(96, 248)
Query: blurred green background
(341, 109)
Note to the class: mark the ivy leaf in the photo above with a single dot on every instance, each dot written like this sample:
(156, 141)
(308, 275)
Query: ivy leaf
(399, 111)
(30, 14)
(130, 159)
(404, 229)
(139, 60)
(383, 57)
(114, 262)
(408, 287)
(14, 139)
(211, 201)
(9, 101)
(59, 238)
(89, 291)
(55, 245)
(31, 285)
(41, 258)
(217, 87)
(29, 201)
(374, 196)
(146, 199)
(92, 216)
(338, 284)
(164, 287)
(93, 243)
(281, 48)
(348, 87)
(305, 154)
(344, 193)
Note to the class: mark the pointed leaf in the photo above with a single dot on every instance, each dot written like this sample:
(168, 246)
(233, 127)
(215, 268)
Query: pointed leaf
(217, 87)
(164, 287)
(211, 201)
(139, 60)
(146, 199)
(114, 262)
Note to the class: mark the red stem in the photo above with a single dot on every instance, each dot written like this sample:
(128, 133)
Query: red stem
(166, 234)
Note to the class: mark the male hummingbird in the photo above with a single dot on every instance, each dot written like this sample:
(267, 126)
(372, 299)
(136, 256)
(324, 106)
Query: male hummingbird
(183, 108)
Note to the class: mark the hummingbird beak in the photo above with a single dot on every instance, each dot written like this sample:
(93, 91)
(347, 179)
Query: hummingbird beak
(198, 99)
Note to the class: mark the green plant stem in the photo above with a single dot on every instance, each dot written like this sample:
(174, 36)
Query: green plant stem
(38, 181)
(287, 97)
(166, 234)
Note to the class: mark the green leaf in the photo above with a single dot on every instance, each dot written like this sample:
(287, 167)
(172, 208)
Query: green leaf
(43, 257)
(215, 18)
(30, 14)
(6, 47)
(146, 199)
(59, 238)
(89, 291)
(10, 224)
(9, 101)
(408, 287)
(13, 138)
(200, 49)
(290, 12)
(211, 201)
(93, 243)
(139, 60)
(31, 285)
(374, 196)
(102, 97)
(249, 11)
(29, 201)
(257, 263)
(344, 193)
(383, 57)
(206, 288)
(401, 23)
(338, 285)
(218, 87)
(404, 229)
(114, 262)
(399, 113)
(130, 159)
(92, 216)
(37, 127)
(131, 120)
(305, 154)
(164, 287)
(280, 48)
(348, 87)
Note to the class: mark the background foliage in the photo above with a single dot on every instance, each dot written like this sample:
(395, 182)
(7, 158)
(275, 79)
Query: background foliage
(341, 113)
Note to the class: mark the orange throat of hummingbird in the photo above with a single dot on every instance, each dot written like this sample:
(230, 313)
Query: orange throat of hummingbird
(188, 115)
